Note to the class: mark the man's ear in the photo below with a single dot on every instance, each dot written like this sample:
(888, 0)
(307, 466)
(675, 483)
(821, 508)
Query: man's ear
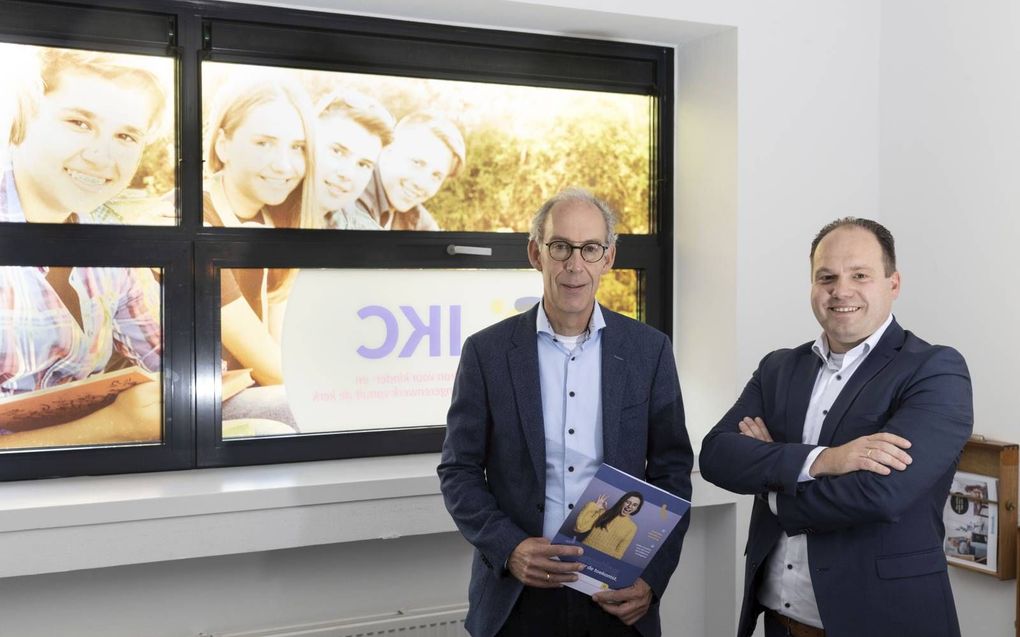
(610, 258)
(533, 255)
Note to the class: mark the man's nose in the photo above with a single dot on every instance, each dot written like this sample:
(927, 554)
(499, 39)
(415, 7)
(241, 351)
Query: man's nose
(574, 261)
(841, 288)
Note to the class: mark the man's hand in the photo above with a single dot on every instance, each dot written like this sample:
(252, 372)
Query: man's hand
(875, 453)
(755, 428)
(532, 563)
(628, 604)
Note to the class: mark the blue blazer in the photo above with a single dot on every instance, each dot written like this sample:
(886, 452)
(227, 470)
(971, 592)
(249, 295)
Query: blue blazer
(493, 466)
(874, 542)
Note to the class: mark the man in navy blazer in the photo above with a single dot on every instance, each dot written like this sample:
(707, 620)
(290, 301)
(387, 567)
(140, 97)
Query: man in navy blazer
(849, 444)
(540, 400)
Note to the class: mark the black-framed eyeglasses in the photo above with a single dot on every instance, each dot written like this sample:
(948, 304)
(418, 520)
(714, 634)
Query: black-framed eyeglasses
(590, 252)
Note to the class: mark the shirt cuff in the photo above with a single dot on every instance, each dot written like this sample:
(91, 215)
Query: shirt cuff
(805, 476)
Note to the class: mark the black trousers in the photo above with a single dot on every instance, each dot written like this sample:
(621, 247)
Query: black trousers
(773, 628)
(561, 612)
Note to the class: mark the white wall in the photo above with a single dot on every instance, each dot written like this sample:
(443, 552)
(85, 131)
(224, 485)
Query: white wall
(950, 157)
(249, 591)
(792, 113)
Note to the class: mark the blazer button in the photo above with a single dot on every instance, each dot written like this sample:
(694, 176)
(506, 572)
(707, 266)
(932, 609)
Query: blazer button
(541, 508)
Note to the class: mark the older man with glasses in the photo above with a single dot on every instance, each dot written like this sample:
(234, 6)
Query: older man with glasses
(540, 401)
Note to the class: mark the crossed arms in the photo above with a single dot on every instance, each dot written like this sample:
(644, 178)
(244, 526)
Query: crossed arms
(922, 423)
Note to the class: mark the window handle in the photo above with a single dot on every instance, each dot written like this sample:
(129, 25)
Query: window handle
(475, 250)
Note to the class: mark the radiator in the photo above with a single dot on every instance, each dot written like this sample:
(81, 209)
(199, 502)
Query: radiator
(438, 621)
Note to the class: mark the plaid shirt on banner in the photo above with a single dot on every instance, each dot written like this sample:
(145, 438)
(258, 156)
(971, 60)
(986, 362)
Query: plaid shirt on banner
(41, 343)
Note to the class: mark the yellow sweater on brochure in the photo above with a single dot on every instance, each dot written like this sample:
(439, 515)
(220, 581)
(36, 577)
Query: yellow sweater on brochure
(612, 540)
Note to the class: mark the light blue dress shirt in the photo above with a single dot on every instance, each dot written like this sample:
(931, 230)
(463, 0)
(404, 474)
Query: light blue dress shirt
(571, 382)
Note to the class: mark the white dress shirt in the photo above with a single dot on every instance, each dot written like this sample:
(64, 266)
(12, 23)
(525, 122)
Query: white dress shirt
(786, 581)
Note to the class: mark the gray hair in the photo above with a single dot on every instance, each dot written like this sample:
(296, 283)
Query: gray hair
(577, 195)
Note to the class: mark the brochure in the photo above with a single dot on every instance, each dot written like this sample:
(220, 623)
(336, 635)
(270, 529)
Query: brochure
(620, 522)
(970, 516)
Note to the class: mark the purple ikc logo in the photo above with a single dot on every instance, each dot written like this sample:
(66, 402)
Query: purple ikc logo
(430, 330)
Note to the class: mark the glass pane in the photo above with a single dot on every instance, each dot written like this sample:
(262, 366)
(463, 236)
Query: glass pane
(360, 349)
(80, 356)
(90, 137)
(319, 149)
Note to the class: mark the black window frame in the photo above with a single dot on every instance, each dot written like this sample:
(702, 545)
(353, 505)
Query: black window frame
(192, 255)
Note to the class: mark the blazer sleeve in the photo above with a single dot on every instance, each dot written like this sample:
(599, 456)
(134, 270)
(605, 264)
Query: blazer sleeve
(462, 468)
(670, 460)
(742, 464)
(934, 411)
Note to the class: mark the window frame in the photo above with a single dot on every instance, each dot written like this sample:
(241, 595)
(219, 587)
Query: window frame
(192, 254)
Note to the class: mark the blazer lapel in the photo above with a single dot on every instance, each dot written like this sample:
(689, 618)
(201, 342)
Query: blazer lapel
(801, 384)
(884, 351)
(523, 361)
(614, 376)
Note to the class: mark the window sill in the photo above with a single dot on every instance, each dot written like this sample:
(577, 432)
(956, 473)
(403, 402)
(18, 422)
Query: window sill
(51, 526)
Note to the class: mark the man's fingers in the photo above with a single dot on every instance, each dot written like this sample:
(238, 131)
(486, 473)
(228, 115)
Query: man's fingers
(892, 439)
(879, 460)
(532, 563)
(546, 573)
(550, 579)
(628, 604)
(755, 428)
(562, 550)
(892, 456)
(617, 608)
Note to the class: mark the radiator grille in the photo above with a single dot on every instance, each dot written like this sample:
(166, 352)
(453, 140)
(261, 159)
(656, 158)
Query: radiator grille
(438, 621)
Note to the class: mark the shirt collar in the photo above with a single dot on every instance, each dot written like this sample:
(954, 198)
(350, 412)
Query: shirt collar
(542, 323)
(821, 344)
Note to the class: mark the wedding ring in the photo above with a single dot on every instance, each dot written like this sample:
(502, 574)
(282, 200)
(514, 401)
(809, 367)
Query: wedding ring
(548, 577)
(868, 456)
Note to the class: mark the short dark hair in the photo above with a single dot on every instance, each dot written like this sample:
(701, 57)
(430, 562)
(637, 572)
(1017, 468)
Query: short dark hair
(882, 234)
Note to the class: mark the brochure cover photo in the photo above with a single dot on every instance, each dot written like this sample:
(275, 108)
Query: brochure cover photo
(620, 522)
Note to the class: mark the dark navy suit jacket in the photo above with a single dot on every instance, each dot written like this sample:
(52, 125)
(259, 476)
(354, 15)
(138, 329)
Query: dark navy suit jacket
(874, 542)
(493, 466)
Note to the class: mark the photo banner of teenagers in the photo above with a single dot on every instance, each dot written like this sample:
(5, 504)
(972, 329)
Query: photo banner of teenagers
(326, 150)
(294, 148)
(89, 137)
(89, 140)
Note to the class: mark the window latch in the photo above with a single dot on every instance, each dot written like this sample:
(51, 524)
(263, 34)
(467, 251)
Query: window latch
(475, 250)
